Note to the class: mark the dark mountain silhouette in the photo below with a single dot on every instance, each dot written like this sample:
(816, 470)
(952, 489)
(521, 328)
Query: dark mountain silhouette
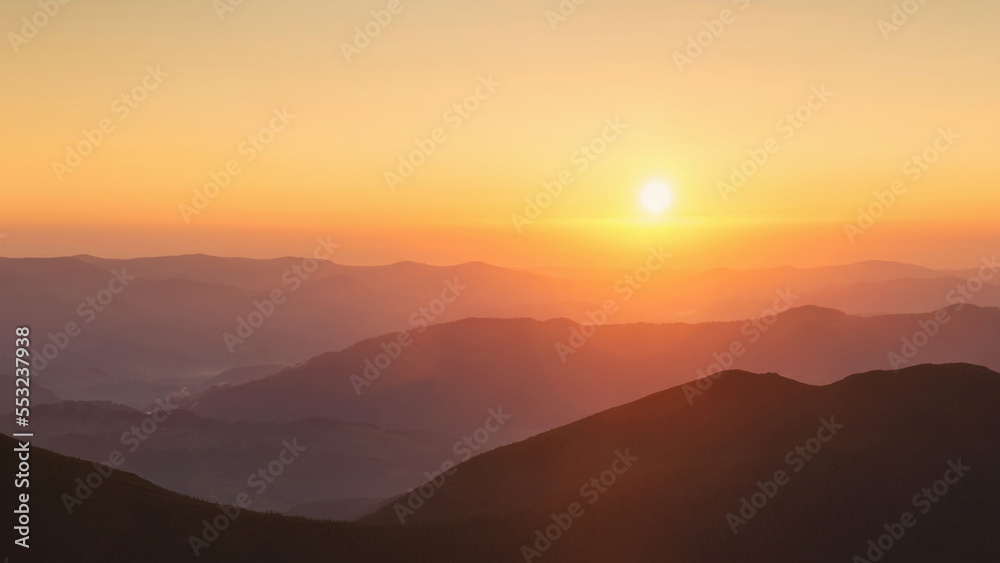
(888, 436)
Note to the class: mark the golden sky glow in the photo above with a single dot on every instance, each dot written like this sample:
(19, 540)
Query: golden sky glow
(542, 93)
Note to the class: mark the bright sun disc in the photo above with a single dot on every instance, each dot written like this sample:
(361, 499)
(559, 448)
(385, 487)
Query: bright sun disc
(656, 197)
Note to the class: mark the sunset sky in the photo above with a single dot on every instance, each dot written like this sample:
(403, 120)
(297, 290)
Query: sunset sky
(221, 80)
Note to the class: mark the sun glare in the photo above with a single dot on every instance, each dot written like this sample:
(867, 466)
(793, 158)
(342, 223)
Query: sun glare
(656, 197)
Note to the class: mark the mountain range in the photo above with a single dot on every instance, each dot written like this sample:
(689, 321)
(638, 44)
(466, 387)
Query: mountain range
(136, 330)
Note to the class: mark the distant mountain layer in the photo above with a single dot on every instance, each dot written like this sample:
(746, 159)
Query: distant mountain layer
(211, 459)
(237, 376)
(133, 331)
(445, 382)
(894, 466)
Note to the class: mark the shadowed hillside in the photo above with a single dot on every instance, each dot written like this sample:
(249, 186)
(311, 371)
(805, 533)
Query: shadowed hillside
(668, 476)
(883, 438)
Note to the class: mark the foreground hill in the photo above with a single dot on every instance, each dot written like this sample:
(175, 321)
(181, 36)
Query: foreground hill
(873, 447)
(447, 380)
(871, 444)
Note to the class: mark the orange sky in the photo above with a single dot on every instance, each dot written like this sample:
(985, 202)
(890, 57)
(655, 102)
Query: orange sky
(542, 93)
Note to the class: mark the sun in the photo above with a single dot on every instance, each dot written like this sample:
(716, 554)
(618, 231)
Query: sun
(656, 197)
